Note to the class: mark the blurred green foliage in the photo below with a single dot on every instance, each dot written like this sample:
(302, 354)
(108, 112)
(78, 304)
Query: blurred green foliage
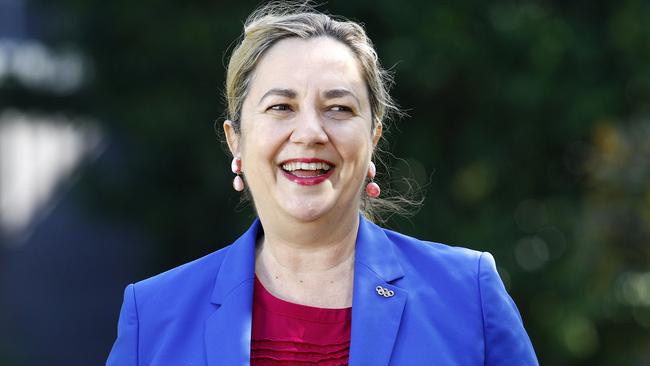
(529, 130)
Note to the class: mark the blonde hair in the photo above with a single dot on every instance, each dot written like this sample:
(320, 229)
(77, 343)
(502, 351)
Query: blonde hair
(280, 20)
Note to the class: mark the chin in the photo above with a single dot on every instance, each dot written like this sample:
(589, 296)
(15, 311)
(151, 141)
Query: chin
(307, 211)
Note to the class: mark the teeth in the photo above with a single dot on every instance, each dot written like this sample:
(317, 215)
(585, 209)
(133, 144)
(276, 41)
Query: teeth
(305, 166)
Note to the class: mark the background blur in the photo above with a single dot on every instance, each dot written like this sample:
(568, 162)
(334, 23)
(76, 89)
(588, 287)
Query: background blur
(529, 130)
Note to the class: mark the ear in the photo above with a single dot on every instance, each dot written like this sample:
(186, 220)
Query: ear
(376, 135)
(232, 137)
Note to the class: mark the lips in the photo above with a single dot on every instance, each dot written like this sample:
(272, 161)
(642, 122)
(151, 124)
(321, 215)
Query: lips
(307, 171)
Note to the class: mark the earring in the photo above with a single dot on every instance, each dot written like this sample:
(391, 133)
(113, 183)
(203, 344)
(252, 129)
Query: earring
(372, 189)
(238, 182)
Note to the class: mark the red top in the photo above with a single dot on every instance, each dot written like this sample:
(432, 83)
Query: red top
(285, 333)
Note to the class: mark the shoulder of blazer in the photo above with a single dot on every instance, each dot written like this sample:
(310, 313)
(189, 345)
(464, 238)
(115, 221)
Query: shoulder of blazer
(430, 258)
(430, 249)
(195, 276)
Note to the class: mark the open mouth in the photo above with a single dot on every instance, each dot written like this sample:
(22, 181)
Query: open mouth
(307, 171)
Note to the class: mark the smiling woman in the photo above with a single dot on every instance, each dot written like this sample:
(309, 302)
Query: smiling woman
(307, 104)
(314, 281)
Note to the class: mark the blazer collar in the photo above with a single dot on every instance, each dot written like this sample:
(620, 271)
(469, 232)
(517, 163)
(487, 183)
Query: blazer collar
(375, 318)
(375, 251)
(228, 329)
(238, 265)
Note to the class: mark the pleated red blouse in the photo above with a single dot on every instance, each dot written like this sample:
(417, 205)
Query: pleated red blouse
(285, 333)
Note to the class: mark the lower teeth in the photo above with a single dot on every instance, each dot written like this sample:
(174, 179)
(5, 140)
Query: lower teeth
(307, 173)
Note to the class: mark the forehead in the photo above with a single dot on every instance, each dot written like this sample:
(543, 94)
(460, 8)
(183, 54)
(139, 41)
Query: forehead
(303, 64)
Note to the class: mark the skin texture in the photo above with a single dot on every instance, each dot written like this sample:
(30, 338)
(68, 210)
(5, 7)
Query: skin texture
(307, 99)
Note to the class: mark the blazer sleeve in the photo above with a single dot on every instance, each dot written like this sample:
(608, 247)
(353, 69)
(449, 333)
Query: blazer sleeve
(506, 340)
(125, 348)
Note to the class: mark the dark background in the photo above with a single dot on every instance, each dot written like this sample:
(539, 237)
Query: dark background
(528, 131)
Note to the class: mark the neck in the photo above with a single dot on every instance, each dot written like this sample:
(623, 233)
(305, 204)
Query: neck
(319, 247)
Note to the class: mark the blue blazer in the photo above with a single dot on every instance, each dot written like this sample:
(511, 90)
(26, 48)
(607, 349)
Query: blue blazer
(449, 308)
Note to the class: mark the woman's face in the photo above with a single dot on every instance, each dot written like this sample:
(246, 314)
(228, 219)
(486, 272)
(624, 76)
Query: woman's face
(306, 136)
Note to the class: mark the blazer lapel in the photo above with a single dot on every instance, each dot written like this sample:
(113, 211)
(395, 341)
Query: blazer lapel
(228, 329)
(375, 318)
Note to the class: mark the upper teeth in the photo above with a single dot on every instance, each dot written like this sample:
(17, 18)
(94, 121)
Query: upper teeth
(305, 166)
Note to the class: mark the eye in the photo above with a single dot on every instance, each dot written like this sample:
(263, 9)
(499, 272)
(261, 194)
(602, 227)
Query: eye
(340, 112)
(340, 108)
(279, 107)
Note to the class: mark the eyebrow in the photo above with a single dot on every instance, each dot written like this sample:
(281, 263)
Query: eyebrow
(291, 94)
(340, 93)
(287, 93)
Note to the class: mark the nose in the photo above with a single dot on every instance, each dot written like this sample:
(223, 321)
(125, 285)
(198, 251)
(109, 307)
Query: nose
(309, 130)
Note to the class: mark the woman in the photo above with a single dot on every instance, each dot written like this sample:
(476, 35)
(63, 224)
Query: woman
(313, 281)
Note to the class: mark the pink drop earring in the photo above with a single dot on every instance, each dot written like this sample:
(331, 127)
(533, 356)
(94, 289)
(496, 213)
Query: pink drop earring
(372, 189)
(238, 182)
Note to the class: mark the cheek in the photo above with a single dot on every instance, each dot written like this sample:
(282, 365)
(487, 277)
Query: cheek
(261, 141)
(352, 143)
